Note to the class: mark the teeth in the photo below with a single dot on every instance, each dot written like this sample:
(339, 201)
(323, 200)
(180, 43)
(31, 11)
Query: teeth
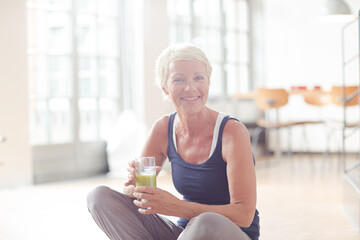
(190, 99)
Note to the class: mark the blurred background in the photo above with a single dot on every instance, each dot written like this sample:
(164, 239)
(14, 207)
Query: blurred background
(77, 91)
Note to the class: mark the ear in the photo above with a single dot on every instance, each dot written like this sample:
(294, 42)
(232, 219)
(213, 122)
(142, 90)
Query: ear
(165, 91)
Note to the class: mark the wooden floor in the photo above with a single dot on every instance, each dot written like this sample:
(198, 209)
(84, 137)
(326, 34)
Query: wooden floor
(301, 198)
(298, 198)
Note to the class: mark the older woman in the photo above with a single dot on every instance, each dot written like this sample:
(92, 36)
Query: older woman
(211, 161)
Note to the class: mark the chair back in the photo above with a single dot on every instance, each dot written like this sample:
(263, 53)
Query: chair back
(267, 98)
(317, 98)
(351, 97)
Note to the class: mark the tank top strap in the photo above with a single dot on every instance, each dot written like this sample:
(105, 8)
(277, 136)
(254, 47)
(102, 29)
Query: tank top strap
(221, 130)
(222, 126)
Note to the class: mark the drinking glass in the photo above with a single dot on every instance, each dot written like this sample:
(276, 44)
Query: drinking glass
(145, 171)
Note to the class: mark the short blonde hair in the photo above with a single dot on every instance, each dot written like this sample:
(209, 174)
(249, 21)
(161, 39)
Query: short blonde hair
(178, 52)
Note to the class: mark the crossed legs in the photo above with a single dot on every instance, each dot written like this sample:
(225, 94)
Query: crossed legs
(119, 218)
(116, 214)
(212, 226)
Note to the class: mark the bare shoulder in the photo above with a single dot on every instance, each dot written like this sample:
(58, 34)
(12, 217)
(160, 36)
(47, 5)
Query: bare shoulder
(157, 141)
(160, 127)
(235, 130)
(236, 142)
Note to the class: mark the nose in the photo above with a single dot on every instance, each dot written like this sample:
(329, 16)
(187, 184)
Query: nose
(188, 86)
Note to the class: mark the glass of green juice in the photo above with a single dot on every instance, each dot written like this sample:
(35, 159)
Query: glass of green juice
(145, 171)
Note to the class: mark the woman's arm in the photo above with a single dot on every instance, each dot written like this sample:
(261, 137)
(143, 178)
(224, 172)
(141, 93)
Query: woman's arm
(155, 145)
(240, 172)
(157, 141)
(241, 178)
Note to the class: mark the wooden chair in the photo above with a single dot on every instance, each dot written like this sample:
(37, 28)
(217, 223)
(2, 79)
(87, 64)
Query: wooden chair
(346, 97)
(351, 97)
(267, 100)
(318, 99)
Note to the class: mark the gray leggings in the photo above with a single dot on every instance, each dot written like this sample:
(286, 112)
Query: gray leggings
(119, 218)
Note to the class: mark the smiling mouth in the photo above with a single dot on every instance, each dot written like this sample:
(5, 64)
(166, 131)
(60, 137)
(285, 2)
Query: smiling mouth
(191, 98)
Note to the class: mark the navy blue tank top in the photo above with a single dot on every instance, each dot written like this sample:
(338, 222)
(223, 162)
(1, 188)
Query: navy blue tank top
(204, 183)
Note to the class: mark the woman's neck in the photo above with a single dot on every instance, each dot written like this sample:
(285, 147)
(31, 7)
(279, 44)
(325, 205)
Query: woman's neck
(194, 124)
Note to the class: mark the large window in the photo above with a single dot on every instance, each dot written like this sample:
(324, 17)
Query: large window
(74, 74)
(221, 28)
(75, 85)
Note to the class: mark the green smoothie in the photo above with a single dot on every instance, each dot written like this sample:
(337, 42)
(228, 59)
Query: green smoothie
(146, 180)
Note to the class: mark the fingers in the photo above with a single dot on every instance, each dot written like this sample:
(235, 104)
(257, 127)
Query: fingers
(145, 189)
(129, 190)
(144, 196)
(144, 206)
(131, 167)
(130, 180)
(131, 163)
(131, 177)
(131, 170)
(146, 211)
(144, 192)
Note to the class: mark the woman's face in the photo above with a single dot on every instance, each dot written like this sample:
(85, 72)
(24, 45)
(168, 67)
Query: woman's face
(187, 86)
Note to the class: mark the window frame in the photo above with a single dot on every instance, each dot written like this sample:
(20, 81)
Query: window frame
(74, 56)
(75, 158)
(183, 27)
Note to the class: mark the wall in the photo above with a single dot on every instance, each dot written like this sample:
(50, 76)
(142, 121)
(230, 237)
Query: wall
(156, 38)
(151, 36)
(15, 155)
(300, 50)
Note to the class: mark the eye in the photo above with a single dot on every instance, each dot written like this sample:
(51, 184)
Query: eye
(199, 78)
(178, 80)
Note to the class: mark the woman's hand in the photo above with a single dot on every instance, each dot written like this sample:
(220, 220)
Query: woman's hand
(157, 201)
(131, 180)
